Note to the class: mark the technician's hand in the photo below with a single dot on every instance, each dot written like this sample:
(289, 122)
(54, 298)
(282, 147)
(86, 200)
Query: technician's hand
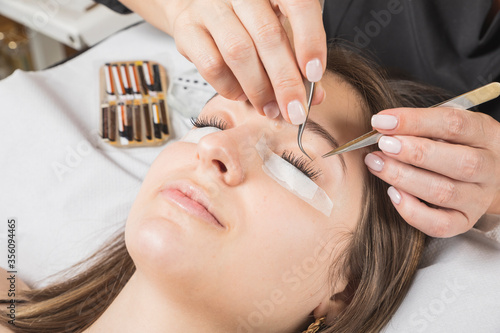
(240, 47)
(448, 158)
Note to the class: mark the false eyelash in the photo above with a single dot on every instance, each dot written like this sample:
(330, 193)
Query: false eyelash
(213, 121)
(302, 164)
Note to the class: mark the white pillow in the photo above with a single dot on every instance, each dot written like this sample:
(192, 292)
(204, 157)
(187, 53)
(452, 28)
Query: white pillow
(457, 286)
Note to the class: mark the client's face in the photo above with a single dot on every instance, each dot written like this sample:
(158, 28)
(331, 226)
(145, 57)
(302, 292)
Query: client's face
(212, 228)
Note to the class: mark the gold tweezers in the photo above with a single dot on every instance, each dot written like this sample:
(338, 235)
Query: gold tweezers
(465, 101)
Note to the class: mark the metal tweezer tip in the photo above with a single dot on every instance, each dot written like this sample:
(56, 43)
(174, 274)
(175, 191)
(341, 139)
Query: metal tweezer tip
(310, 92)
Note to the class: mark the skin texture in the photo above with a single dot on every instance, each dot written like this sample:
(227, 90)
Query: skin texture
(459, 176)
(193, 275)
(250, 57)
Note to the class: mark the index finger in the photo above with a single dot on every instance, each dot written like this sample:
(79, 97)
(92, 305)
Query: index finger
(453, 125)
(309, 37)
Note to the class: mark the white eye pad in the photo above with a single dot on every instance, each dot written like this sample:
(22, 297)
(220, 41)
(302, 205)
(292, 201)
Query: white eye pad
(195, 134)
(293, 179)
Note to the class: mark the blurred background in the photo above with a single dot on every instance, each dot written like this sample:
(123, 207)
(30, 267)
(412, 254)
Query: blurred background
(14, 48)
(36, 34)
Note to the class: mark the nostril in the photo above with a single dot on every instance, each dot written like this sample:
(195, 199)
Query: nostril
(220, 165)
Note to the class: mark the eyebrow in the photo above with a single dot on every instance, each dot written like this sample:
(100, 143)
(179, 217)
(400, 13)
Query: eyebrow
(319, 130)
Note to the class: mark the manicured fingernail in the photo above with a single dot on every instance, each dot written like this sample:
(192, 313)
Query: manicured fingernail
(389, 144)
(374, 162)
(394, 195)
(314, 70)
(272, 110)
(383, 121)
(242, 98)
(296, 112)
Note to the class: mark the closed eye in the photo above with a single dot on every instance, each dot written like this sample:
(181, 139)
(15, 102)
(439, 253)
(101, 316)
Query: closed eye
(212, 121)
(301, 163)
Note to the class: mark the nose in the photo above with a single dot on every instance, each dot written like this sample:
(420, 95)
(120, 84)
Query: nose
(219, 154)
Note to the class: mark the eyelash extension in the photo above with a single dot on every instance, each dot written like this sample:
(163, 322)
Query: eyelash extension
(302, 164)
(213, 121)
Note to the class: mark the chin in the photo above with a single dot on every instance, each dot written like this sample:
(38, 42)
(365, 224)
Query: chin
(154, 242)
(167, 243)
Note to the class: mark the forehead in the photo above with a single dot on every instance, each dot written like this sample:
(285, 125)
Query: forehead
(342, 112)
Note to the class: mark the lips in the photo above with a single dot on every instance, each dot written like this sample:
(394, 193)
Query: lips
(191, 199)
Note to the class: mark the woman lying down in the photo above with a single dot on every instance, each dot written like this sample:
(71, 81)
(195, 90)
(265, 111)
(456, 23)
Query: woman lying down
(235, 230)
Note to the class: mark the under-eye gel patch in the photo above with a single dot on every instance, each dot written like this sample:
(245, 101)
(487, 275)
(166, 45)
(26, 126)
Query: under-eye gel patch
(195, 134)
(293, 179)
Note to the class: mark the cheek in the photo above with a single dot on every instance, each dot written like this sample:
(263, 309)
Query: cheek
(287, 266)
(347, 193)
(168, 245)
(151, 184)
(149, 242)
(145, 232)
(280, 236)
(175, 156)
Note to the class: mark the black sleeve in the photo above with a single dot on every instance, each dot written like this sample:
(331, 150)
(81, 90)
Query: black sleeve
(446, 43)
(114, 5)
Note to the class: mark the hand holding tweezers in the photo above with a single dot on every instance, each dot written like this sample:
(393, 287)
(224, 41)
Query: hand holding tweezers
(309, 93)
(464, 102)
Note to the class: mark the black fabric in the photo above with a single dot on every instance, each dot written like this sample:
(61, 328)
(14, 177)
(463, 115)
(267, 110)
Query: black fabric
(441, 42)
(114, 5)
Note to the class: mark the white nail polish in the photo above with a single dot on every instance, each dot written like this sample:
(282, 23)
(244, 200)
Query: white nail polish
(374, 162)
(296, 112)
(389, 145)
(314, 70)
(394, 195)
(383, 121)
(271, 110)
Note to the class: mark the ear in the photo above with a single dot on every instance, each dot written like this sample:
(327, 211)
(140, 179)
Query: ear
(332, 306)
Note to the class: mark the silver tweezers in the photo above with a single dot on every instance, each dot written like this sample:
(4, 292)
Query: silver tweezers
(465, 101)
(309, 93)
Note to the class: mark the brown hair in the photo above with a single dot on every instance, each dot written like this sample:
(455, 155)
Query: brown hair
(380, 261)
(384, 251)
